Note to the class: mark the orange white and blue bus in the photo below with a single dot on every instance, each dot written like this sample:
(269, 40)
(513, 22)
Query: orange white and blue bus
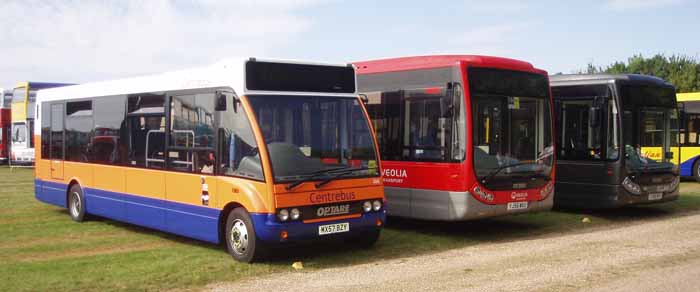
(23, 107)
(254, 153)
(461, 137)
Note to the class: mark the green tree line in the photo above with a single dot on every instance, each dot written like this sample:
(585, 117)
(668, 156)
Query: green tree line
(682, 71)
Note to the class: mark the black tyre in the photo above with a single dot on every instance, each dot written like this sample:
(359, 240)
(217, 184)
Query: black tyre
(76, 203)
(241, 241)
(367, 239)
(696, 170)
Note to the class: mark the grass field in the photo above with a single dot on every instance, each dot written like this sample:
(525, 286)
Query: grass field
(42, 249)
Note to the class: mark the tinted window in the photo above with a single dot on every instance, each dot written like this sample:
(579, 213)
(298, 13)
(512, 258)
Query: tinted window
(146, 128)
(417, 115)
(57, 127)
(507, 83)
(79, 127)
(239, 151)
(299, 77)
(45, 130)
(576, 139)
(110, 143)
(307, 135)
(192, 133)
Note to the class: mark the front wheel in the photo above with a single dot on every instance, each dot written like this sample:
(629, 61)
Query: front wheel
(76, 203)
(241, 242)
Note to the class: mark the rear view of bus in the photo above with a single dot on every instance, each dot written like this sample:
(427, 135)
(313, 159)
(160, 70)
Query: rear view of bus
(461, 137)
(617, 140)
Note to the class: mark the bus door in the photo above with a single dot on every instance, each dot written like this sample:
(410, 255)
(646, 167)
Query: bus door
(56, 140)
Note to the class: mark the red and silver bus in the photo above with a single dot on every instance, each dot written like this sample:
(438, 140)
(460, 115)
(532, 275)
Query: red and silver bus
(461, 137)
(5, 124)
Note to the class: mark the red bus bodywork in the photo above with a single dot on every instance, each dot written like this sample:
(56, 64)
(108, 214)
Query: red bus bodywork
(446, 191)
(5, 123)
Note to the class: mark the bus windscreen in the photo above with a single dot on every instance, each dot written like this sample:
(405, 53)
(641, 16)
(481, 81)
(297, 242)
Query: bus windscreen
(269, 76)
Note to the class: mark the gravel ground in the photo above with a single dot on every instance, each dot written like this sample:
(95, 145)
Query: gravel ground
(661, 255)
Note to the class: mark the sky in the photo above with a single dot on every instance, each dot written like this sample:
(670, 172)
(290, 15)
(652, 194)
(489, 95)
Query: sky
(90, 40)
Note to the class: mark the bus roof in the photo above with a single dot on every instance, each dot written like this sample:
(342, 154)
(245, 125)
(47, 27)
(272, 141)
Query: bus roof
(40, 85)
(690, 96)
(436, 61)
(583, 79)
(227, 73)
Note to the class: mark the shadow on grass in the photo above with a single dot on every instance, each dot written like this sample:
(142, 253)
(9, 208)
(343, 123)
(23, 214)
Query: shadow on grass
(408, 237)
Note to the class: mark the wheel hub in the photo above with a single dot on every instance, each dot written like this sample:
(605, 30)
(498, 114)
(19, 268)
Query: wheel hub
(75, 204)
(239, 237)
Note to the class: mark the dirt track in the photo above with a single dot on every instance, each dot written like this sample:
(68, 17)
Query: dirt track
(650, 255)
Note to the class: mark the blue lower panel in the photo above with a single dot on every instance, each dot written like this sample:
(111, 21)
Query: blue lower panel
(686, 168)
(268, 228)
(50, 192)
(182, 219)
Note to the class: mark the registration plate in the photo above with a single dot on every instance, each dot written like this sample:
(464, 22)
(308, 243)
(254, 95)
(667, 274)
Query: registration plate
(517, 206)
(333, 228)
(655, 196)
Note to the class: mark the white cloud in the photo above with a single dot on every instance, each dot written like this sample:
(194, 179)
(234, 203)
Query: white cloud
(493, 40)
(621, 5)
(77, 41)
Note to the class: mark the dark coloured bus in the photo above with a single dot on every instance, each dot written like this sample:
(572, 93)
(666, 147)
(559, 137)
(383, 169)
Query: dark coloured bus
(617, 140)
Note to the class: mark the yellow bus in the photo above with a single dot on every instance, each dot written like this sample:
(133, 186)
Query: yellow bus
(689, 138)
(250, 152)
(22, 114)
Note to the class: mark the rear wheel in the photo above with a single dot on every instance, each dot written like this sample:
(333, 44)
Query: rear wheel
(241, 241)
(76, 203)
(696, 170)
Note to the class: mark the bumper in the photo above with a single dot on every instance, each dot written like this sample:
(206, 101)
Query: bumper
(268, 229)
(603, 197)
(450, 206)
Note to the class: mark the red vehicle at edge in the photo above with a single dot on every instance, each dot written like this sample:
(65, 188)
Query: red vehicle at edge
(5, 123)
(461, 137)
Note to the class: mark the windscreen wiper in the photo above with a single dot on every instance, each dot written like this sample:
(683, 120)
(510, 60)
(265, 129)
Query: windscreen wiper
(340, 174)
(501, 168)
(313, 176)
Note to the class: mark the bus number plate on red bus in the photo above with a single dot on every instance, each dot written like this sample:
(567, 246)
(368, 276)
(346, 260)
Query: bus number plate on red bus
(517, 206)
(333, 228)
(655, 196)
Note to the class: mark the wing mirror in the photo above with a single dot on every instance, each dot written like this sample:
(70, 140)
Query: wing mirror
(220, 102)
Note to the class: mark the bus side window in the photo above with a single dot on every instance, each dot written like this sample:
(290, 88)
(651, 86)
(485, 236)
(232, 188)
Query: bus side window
(146, 124)
(191, 147)
(239, 151)
(110, 143)
(79, 130)
(57, 127)
(45, 130)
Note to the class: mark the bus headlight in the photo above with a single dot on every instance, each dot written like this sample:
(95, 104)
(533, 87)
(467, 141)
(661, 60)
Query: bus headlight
(376, 205)
(483, 195)
(283, 215)
(367, 206)
(547, 190)
(674, 183)
(295, 214)
(631, 186)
